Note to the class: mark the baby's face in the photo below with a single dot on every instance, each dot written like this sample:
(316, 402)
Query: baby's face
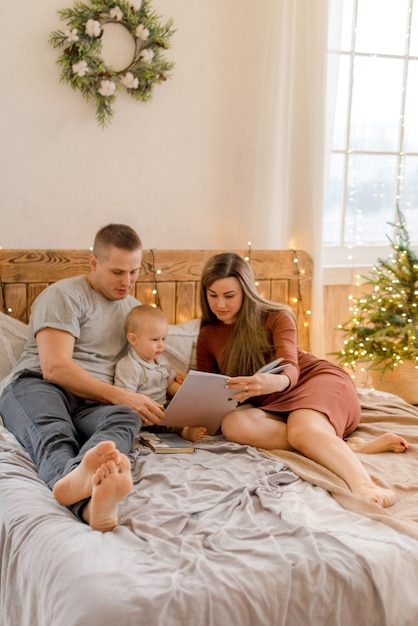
(148, 340)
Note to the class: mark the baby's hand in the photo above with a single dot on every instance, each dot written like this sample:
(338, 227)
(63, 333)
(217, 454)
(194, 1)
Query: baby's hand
(179, 377)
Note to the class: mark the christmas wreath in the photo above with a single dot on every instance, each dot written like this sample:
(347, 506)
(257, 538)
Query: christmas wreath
(83, 67)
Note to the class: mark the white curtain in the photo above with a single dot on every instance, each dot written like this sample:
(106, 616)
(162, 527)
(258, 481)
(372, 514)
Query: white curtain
(301, 130)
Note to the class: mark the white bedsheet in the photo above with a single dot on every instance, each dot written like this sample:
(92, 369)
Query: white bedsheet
(223, 537)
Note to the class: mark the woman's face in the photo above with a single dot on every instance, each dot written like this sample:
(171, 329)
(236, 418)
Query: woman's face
(225, 297)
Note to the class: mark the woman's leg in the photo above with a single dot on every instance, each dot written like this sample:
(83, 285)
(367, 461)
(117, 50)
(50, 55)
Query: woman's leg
(255, 427)
(311, 433)
(388, 442)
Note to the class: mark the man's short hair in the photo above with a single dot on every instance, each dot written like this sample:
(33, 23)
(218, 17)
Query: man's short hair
(118, 236)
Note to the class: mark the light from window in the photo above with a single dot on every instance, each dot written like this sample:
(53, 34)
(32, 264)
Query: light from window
(374, 161)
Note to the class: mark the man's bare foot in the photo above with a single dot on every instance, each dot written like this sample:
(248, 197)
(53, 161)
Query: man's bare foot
(194, 433)
(77, 485)
(382, 497)
(389, 442)
(111, 484)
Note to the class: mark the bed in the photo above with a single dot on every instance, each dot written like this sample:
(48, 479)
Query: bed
(229, 535)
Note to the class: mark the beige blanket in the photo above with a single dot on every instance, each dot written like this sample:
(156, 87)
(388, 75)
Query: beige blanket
(381, 413)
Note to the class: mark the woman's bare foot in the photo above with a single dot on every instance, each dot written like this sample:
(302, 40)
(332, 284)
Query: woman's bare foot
(382, 497)
(193, 433)
(77, 485)
(111, 484)
(389, 442)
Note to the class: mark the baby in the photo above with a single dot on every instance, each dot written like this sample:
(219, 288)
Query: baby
(144, 369)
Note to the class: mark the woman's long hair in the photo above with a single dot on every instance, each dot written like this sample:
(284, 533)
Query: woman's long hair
(250, 346)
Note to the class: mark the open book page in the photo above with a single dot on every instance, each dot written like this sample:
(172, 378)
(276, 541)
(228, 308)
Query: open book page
(204, 400)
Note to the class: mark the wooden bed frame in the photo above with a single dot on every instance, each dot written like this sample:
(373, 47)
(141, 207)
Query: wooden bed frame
(168, 278)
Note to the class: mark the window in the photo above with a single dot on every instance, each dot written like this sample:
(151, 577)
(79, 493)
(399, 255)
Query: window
(374, 160)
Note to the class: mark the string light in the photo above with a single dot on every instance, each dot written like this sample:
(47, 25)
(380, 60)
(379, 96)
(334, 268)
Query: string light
(156, 304)
(382, 328)
(300, 309)
(248, 256)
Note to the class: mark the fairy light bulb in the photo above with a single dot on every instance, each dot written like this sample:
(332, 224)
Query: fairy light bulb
(248, 255)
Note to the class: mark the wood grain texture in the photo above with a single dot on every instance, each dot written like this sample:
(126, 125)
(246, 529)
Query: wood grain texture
(175, 273)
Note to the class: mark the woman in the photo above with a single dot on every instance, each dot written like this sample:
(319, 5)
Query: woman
(310, 406)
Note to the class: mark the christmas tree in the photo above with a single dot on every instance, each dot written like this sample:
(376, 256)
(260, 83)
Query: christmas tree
(383, 329)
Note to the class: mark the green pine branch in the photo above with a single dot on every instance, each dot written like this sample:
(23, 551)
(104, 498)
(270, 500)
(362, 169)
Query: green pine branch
(383, 329)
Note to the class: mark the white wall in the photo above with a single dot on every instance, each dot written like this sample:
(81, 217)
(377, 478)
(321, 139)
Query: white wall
(191, 169)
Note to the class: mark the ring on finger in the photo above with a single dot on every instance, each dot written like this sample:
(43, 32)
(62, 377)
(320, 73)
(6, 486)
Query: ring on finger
(246, 387)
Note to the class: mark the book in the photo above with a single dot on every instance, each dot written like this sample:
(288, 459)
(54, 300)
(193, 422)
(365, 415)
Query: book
(204, 400)
(273, 367)
(166, 443)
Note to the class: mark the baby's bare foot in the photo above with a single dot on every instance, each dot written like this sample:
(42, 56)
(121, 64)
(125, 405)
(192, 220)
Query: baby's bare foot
(77, 485)
(194, 433)
(111, 484)
(388, 442)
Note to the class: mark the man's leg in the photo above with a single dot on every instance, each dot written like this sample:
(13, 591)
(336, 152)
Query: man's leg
(107, 433)
(110, 485)
(95, 422)
(38, 413)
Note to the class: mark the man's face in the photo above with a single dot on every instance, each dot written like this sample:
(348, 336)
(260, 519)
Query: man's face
(114, 273)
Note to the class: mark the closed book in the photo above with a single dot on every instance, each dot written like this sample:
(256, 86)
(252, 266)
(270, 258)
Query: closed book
(166, 443)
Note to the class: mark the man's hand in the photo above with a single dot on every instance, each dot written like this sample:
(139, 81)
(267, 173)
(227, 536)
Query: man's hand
(149, 411)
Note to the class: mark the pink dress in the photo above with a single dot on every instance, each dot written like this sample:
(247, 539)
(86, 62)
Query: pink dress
(314, 383)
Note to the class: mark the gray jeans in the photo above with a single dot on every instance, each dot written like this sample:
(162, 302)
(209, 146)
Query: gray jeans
(57, 428)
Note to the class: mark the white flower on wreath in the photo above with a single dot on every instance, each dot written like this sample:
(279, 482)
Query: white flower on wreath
(146, 55)
(107, 88)
(129, 81)
(116, 13)
(93, 28)
(141, 32)
(71, 35)
(135, 4)
(80, 68)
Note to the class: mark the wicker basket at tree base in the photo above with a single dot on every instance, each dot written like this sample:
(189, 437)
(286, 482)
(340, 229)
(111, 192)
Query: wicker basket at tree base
(402, 381)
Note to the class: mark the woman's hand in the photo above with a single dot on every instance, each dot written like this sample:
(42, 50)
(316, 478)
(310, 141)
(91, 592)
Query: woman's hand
(244, 387)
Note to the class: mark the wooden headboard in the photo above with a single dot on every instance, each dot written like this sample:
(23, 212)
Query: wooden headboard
(282, 276)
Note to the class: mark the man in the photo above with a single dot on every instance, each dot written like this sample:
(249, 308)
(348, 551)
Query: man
(61, 404)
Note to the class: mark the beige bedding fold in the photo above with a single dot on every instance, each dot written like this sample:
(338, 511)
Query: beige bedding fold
(380, 413)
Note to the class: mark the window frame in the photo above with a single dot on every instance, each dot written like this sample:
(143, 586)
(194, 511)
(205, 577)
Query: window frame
(346, 253)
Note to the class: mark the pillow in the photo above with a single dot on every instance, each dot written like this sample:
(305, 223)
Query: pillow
(180, 345)
(13, 336)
